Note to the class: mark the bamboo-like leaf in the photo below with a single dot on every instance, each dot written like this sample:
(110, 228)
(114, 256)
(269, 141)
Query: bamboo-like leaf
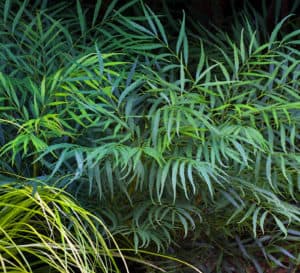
(276, 30)
(81, 16)
(109, 9)
(181, 35)
(262, 221)
(155, 128)
(242, 47)
(98, 5)
(175, 167)
(280, 225)
(150, 20)
(7, 6)
(248, 213)
(254, 221)
(182, 75)
(159, 26)
(17, 18)
(100, 61)
(268, 169)
(132, 87)
(201, 60)
(185, 50)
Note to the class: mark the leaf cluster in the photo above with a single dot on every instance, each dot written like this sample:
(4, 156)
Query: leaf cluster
(158, 135)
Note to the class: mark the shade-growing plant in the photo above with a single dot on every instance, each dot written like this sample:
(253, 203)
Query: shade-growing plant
(60, 110)
(164, 134)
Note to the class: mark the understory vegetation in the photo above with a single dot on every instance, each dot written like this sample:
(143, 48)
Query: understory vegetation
(130, 135)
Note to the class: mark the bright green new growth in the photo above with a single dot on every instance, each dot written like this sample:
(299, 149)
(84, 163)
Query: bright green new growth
(163, 134)
(47, 231)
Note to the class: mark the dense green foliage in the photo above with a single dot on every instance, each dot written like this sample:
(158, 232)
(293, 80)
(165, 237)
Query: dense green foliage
(164, 138)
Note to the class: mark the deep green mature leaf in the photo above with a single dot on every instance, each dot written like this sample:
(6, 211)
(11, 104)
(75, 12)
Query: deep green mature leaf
(248, 213)
(201, 60)
(163, 178)
(128, 89)
(159, 26)
(288, 37)
(276, 30)
(109, 9)
(98, 6)
(150, 19)
(100, 60)
(155, 127)
(181, 36)
(7, 6)
(182, 75)
(18, 15)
